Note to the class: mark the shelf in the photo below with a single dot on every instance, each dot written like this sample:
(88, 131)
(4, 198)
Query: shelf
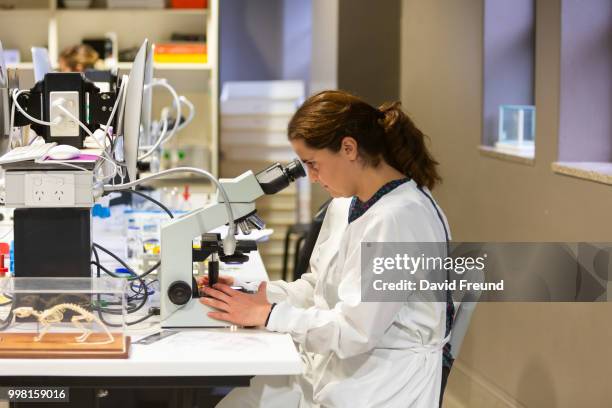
(189, 12)
(170, 67)
(128, 65)
(600, 172)
(500, 154)
(45, 24)
(21, 65)
(6, 12)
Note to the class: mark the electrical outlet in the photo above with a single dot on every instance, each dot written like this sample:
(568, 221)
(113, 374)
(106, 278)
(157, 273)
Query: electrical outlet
(49, 190)
(68, 126)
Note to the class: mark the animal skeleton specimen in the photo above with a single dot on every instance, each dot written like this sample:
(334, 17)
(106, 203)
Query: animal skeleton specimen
(55, 314)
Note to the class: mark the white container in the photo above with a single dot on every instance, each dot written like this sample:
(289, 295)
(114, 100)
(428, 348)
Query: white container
(249, 138)
(277, 123)
(292, 90)
(254, 106)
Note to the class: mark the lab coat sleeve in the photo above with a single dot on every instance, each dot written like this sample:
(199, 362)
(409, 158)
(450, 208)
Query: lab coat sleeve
(352, 327)
(301, 292)
(298, 293)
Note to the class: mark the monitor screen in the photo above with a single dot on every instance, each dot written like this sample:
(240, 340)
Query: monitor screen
(133, 110)
(4, 104)
(42, 63)
(147, 102)
(3, 71)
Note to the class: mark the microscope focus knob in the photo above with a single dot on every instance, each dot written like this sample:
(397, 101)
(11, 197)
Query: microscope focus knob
(179, 292)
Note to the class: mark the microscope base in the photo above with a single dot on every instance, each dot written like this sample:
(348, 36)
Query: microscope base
(192, 314)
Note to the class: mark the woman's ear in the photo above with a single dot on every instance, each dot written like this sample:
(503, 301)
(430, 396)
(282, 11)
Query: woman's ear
(348, 148)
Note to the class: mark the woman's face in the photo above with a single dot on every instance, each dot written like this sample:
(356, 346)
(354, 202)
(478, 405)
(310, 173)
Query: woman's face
(334, 171)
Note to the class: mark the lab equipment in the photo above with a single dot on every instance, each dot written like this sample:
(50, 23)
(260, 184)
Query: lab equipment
(52, 242)
(54, 197)
(57, 108)
(105, 80)
(63, 318)
(179, 304)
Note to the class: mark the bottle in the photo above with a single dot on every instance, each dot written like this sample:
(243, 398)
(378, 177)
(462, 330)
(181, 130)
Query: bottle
(174, 199)
(150, 238)
(185, 203)
(134, 240)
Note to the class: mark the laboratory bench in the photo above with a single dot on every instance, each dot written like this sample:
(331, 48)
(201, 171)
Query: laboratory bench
(186, 369)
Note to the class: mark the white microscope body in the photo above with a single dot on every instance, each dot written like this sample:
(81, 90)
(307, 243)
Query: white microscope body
(178, 307)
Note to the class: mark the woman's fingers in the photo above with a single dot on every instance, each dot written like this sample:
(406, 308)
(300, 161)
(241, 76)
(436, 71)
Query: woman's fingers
(228, 280)
(221, 316)
(227, 290)
(217, 304)
(216, 294)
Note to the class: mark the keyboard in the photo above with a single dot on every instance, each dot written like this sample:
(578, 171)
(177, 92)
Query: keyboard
(26, 153)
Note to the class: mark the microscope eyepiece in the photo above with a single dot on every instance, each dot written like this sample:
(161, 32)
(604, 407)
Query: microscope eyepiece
(276, 177)
(295, 170)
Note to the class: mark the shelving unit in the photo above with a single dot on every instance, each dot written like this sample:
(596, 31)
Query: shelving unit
(43, 23)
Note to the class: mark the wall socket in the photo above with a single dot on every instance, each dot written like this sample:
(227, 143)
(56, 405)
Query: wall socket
(49, 190)
(68, 126)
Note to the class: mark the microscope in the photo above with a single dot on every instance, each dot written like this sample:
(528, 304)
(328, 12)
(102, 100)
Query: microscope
(179, 292)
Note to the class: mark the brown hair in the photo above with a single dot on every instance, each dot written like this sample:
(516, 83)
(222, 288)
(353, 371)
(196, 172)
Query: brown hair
(82, 55)
(326, 118)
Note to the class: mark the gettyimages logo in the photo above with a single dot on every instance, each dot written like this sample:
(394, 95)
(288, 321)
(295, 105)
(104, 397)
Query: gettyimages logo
(413, 264)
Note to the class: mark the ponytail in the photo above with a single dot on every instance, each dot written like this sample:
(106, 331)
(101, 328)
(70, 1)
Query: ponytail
(406, 150)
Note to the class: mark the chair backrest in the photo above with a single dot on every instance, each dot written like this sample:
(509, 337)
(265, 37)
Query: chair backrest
(464, 312)
(303, 261)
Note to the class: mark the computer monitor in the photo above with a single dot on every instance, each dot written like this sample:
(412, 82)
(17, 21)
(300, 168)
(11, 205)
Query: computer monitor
(147, 102)
(42, 63)
(133, 109)
(3, 70)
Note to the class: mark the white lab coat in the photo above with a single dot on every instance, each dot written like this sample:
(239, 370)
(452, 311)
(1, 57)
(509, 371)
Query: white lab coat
(356, 354)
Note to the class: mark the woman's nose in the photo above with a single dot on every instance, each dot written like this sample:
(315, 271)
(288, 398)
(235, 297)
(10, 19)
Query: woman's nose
(313, 176)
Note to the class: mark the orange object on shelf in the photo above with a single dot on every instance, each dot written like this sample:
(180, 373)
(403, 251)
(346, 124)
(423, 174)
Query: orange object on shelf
(180, 48)
(194, 4)
(180, 52)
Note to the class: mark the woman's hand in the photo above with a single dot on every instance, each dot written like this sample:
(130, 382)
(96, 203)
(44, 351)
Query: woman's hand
(203, 281)
(237, 307)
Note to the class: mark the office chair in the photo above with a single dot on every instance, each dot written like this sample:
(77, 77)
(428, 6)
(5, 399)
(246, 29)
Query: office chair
(307, 235)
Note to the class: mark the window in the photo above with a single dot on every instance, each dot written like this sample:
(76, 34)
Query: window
(585, 123)
(508, 96)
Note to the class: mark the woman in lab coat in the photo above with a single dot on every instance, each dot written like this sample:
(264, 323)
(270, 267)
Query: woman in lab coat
(358, 354)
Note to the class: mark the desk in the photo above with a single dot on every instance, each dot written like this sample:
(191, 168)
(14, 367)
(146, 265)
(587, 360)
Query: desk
(192, 360)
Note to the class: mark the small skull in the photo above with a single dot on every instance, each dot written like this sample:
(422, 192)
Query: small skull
(23, 312)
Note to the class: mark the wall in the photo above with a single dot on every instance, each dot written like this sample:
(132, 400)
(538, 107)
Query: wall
(368, 45)
(251, 40)
(297, 39)
(265, 40)
(533, 355)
